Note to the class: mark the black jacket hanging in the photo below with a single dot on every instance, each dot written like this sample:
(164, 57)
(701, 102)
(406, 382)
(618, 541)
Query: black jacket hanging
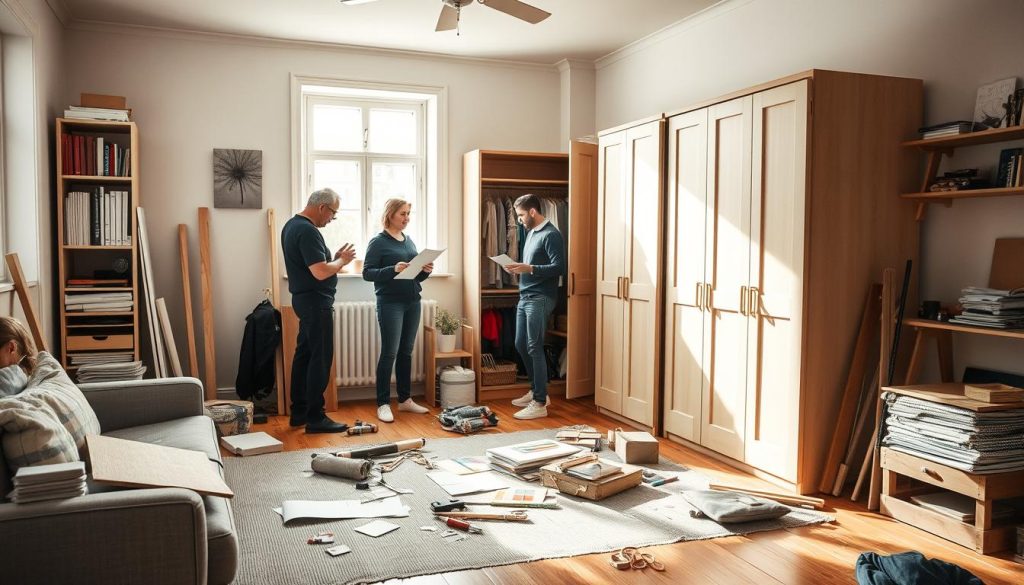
(255, 379)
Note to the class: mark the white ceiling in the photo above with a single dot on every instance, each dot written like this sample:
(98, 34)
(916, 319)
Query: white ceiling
(577, 29)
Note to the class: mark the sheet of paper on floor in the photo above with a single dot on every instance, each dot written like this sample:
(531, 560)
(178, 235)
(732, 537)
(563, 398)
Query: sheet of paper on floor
(464, 465)
(458, 485)
(376, 528)
(342, 509)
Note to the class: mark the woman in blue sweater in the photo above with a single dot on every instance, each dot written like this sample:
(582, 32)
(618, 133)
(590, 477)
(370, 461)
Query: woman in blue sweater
(398, 306)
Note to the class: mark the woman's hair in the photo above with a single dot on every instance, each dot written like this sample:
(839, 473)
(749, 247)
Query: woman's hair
(12, 330)
(391, 207)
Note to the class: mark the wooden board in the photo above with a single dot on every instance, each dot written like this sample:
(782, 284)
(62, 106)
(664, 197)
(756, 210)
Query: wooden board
(165, 327)
(186, 292)
(18, 277)
(953, 395)
(206, 280)
(1007, 264)
(1000, 393)
(156, 342)
(134, 464)
(275, 299)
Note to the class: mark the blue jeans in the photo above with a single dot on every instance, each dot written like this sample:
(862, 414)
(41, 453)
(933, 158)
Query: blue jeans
(399, 321)
(531, 321)
(311, 365)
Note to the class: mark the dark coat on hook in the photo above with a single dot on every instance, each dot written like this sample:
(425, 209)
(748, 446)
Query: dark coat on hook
(255, 379)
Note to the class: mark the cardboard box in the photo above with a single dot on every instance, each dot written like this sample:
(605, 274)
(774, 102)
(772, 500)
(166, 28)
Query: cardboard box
(97, 100)
(636, 447)
(598, 489)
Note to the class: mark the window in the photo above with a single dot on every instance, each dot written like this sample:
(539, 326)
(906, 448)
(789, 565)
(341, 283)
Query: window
(370, 144)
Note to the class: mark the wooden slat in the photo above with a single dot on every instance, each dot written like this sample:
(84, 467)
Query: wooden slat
(888, 322)
(275, 299)
(186, 293)
(165, 327)
(18, 277)
(206, 281)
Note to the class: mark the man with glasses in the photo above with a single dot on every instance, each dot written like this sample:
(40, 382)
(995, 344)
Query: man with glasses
(313, 281)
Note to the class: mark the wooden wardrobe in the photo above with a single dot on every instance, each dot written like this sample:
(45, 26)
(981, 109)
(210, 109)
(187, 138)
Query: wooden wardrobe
(782, 208)
(575, 176)
(629, 267)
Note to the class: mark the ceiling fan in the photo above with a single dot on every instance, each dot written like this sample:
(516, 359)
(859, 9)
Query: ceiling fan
(452, 9)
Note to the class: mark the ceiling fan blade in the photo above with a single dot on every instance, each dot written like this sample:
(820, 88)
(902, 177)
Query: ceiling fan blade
(448, 20)
(520, 10)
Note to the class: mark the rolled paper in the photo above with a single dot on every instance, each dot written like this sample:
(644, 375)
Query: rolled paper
(342, 466)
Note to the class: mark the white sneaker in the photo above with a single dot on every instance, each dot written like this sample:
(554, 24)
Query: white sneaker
(384, 413)
(410, 406)
(533, 410)
(527, 398)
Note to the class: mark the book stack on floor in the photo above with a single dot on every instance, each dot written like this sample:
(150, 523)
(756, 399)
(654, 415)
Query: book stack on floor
(49, 482)
(989, 307)
(110, 372)
(525, 459)
(947, 129)
(976, 442)
(98, 302)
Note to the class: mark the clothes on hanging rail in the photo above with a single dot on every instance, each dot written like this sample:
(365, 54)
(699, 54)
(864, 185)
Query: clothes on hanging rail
(502, 233)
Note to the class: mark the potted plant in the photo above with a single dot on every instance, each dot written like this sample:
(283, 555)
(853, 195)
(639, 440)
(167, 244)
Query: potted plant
(447, 326)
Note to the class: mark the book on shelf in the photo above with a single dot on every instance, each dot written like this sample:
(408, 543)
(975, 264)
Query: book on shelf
(947, 129)
(108, 114)
(93, 156)
(994, 308)
(97, 217)
(1009, 171)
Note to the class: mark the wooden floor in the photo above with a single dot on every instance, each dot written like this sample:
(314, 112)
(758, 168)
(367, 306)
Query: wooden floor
(820, 554)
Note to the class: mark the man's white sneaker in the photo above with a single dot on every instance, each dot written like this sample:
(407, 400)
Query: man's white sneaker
(533, 410)
(410, 406)
(384, 413)
(527, 398)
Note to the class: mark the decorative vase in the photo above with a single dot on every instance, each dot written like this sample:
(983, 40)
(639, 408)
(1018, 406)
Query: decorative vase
(445, 343)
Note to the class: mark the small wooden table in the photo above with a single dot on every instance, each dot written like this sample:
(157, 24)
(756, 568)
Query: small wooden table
(983, 536)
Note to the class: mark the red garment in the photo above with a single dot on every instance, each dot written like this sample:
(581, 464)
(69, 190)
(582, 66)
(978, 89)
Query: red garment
(490, 325)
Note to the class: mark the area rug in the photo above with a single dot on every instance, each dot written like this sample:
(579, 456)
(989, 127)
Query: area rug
(272, 553)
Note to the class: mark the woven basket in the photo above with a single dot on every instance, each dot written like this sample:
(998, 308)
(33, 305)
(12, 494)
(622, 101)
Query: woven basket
(499, 375)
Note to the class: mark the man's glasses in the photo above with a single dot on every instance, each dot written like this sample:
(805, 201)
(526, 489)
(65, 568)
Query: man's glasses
(334, 211)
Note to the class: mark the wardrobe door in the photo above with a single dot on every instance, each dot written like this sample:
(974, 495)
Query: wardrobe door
(724, 401)
(611, 266)
(687, 332)
(779, 164)
(645, 147)
(582, 268)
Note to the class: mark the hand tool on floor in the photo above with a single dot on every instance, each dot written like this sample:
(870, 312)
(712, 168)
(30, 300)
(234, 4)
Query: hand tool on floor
(361, 428)
(513, 516)
(382, 449)
(447, 506)
(461, 525)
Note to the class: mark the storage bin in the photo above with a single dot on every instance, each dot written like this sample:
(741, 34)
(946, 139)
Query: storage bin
(458, 386)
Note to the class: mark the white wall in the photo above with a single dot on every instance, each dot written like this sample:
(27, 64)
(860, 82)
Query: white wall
(193, 93)
(953, 45)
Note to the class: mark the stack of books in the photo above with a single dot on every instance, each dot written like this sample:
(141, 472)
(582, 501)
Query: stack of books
(525, 459)
(98, 302)
(111, 372)
(86, 359)
(989, 307)
(49, 482)
(947, 129)
(97, 218)
(86, 113)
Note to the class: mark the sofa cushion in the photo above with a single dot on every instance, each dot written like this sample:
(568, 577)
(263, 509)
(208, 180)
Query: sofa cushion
(191, 432)
(53, 386)
(32, 433)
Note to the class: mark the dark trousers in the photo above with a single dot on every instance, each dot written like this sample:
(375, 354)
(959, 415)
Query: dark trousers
(531, 322)
(311, 366)
(399, 321)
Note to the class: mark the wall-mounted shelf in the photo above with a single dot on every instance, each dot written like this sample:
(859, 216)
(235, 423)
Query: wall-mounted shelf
(944, 326)
(972, 139)
(96, 179)
(948, 196)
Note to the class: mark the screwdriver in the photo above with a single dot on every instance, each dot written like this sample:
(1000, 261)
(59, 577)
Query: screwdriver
(462, 525)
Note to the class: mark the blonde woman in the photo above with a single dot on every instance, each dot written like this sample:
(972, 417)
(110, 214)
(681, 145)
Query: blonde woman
(398, 306)
(17, 356)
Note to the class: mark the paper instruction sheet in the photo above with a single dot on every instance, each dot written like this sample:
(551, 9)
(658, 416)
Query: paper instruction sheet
(416, 264)
(503, 260)
(339, 509)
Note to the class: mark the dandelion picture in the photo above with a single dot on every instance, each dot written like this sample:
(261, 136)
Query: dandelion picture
(238, 178)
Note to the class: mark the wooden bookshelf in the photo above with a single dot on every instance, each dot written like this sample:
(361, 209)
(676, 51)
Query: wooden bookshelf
(92, 260)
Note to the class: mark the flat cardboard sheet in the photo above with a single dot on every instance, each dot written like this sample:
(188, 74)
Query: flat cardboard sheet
(134, 464)
(1007, 264)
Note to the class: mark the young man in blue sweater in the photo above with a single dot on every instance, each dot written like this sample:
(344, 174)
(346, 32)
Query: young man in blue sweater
(543, 264)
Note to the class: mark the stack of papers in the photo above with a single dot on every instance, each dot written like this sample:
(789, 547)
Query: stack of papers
(86, 113)
(81, 359)
(342, 509)
(525, 459)
(111, 372)
(49, 482)
(97, 302)
(463, 465)
(460, 485)
(989, 307)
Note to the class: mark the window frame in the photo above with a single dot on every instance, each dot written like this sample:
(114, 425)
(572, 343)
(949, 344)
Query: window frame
(430, 204)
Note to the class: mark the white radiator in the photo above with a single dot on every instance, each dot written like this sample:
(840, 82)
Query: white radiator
(357, 342)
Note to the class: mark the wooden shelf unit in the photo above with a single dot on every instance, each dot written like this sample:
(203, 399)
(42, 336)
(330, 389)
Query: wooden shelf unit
(431, 355)
(79, 261)
(524, 172)
(939, 147)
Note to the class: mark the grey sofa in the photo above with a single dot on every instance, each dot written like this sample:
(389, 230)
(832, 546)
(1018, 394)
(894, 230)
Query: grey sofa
(113, 535)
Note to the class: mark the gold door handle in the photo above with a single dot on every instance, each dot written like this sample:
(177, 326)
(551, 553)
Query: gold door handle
(618, 287)
(754, 307)
(699, 296)
(572, 283)
(709, 297)
(625, 287)
(743, 300)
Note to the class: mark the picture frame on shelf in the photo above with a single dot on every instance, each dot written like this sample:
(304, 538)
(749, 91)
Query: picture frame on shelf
(990, 104)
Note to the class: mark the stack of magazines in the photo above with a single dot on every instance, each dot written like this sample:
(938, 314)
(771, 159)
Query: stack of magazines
(49, 482)
(989, 307)
(525, 459)
(98, 302)
(111, 372)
